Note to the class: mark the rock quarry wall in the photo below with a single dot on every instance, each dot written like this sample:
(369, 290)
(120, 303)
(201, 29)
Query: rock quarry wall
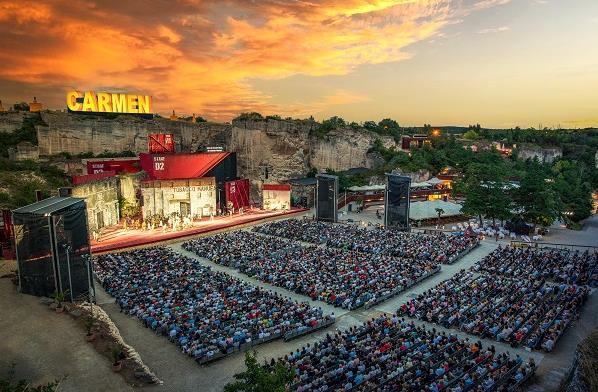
(10, 121)
(288, 148)
(77, 134)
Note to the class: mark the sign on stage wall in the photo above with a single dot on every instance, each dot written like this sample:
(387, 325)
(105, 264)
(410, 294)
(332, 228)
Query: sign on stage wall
(117, 165)
(237, 193)
(104, 102)
(276, 196)
(179, 166)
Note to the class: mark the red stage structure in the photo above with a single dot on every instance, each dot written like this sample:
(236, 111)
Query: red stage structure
(160, 143)
(116, 165)
(78, 180)
(180, 166)
(237, 193)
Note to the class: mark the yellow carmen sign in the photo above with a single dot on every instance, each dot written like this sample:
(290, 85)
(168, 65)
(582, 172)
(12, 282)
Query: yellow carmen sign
(90, 101)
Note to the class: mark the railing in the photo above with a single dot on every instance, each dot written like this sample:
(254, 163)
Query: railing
(553, 245)
(246, 346)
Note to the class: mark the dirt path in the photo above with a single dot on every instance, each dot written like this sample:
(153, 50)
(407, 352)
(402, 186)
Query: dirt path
(45, 346)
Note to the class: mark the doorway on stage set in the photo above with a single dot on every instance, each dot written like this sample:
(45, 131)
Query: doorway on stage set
(326, 198)
(396, 202)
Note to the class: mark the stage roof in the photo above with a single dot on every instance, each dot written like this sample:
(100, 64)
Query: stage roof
(180, 166)
(49, 205)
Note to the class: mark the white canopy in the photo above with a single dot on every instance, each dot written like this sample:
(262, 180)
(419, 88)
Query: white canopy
(434, 181)
(421, 210)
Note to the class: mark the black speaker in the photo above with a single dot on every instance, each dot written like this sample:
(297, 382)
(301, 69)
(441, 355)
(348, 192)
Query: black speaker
(396, 202)
(326, 198)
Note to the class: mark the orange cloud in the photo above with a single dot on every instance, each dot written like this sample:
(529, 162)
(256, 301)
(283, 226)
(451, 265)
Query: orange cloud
(199, 56)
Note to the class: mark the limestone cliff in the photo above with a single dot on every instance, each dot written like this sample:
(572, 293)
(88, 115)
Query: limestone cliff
(287, 148)
(290, 148)
(77, 134)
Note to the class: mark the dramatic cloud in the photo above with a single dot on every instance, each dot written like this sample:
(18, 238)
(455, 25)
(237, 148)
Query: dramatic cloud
(198, 56)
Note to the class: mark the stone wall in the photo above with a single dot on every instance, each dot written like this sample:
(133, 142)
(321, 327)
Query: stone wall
(544, 155)
(10, 121)
(23, 151)
(101, 198)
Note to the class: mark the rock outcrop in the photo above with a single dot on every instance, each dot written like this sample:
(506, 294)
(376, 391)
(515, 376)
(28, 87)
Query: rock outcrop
(286, 149)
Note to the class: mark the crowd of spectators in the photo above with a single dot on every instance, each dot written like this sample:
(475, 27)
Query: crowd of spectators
(390, 353)
(438, 247)
(346, 279)
(525, 312)
(556, 265)
(206, 313)
(236, 248)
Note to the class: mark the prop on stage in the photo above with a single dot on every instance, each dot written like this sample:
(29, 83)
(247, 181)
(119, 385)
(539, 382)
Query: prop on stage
(237, 194)
(52, 246)
(276, 196)
(326, 198)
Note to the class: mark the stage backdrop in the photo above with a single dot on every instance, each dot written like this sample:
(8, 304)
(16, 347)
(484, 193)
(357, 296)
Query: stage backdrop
(195, 197)
(237, 192)
(276, 196)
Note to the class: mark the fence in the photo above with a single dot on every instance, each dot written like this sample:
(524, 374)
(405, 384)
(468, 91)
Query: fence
(552, 245)
(246, 346)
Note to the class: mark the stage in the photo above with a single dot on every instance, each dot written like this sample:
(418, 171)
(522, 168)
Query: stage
(117, 238)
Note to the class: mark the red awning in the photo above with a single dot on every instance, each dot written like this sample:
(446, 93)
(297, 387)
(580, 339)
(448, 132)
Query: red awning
(276, 187)
(180, 166)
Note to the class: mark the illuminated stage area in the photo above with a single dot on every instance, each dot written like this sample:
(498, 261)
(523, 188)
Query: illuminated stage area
(118, 237)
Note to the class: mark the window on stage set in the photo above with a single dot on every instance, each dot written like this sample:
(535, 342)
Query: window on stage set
(396, 202)
(326, 199)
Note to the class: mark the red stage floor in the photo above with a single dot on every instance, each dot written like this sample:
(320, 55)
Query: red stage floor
(118, 238)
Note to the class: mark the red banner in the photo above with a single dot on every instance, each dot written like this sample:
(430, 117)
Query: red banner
(276, 187)
(160, 143)
(117, 165)
(237, 193)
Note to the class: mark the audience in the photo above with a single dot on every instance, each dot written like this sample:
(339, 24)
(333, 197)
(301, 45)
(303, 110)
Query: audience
(528, 312)
(440, 248)
(204, 312)
(341, 278)
(556, 265)
(388, 353)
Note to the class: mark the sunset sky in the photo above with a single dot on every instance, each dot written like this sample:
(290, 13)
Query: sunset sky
(499, 63)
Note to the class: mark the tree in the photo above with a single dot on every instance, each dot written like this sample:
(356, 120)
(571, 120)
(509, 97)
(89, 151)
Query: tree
(471, 135)
(389, 125)
(536, 197)
(249, 116)
(486, 192)
(260, 378)
(439, 211)
(21, 106)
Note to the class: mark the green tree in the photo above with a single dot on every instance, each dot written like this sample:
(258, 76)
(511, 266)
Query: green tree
(258, 378)
(486, 192)
(249, 116)
(536, 197)
(440, 212)
(471, 135)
